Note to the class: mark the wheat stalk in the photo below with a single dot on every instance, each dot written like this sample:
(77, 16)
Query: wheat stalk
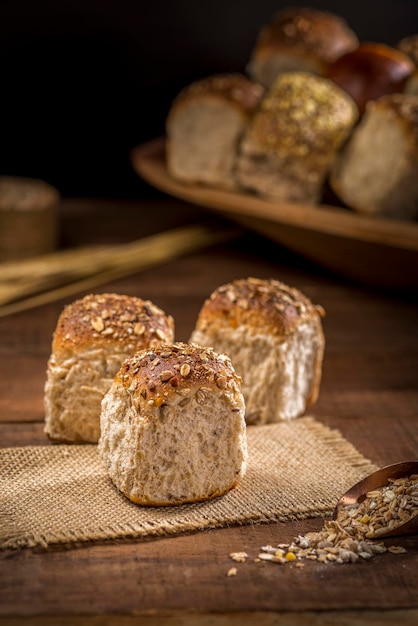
(29, 283)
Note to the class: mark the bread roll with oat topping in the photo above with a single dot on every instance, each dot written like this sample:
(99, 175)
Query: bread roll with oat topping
(273, 334)
(293, 139)
(204, 125)
(94, 335)
(173, 427)
(299, 39)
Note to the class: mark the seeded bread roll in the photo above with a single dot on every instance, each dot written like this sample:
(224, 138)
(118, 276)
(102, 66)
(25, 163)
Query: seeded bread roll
(273, 335)
(293, 139)
(94, 335)
(409, 46)
(376, 173)
(173, 427)
(299, 39)
(204, 126)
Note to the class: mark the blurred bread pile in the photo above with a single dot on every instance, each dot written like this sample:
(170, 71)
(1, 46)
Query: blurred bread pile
(316, 109)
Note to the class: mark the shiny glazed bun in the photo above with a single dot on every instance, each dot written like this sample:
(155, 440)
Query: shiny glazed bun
(371, 71)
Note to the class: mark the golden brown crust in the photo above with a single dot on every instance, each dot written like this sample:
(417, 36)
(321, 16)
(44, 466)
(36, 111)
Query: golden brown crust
(215, 494)
(259, 304)
(236, 89)
(120, 322)
(307, 31)
(155, 374)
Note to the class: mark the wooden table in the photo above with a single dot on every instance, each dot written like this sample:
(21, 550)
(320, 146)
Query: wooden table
(369, 392)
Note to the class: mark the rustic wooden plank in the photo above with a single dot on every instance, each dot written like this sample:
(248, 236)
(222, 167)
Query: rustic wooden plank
(254, 618)
(369, 392)
(190, 573)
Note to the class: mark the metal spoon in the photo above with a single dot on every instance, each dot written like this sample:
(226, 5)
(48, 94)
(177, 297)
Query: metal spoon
(380, 478)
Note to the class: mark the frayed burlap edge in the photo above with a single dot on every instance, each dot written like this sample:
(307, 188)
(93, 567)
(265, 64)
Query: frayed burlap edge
(61, 494)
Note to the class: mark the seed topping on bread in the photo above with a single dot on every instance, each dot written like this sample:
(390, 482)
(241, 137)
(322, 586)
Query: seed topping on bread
(255, 302)
(177, 370)
(113, 318)
(301, 112)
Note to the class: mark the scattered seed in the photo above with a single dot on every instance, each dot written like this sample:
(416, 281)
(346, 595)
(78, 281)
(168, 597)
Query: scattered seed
(352, 536)
(396, 549)
(239, 557)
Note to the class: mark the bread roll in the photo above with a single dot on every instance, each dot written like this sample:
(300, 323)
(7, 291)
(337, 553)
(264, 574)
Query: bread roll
(173, 427)
(28, 217)
(94, 335)
(371, 71)
(299, 39)
(377, 172)
(292, 140)
(409, 46)
(274, 336)
(204, 126)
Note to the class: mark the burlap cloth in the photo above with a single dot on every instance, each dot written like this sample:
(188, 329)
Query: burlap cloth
(61, 494)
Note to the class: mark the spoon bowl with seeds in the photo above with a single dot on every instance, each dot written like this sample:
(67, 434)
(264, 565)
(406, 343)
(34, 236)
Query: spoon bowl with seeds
(383, 504)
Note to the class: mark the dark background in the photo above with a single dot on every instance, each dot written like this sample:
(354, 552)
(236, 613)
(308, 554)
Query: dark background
(84, 81)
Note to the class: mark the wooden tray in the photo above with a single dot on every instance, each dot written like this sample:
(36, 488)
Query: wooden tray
(373, 251)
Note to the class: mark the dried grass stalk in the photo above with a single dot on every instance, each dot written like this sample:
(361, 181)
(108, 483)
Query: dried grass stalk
(29, 283)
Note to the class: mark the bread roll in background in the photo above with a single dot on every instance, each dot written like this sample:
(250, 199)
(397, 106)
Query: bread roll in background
(409, 46)
(299, 39)
(172, 426)
(292, 140)
(377, 172)
(204, 125)
(273, 334)
(28, 217)
(94, 335)
(371, 71)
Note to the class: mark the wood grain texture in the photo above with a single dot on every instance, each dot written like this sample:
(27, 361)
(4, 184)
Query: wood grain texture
(369, 392)
(372, 250)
